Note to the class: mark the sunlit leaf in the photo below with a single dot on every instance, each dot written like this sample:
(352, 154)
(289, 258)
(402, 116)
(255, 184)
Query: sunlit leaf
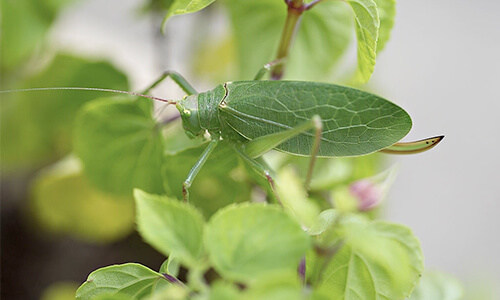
(376, 259)
(367, 30)
(170, 226)
(387, 13)
(36, 126)
(63, 202)
(130, 279)
(120, 145)
(180, 7)
(249, 240)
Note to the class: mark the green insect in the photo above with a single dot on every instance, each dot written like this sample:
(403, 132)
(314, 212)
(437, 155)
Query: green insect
(299, 118)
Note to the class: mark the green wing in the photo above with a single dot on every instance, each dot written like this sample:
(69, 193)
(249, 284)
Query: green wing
(354, 122)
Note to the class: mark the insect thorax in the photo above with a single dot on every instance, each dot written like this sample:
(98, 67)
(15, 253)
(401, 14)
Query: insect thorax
(200, 112)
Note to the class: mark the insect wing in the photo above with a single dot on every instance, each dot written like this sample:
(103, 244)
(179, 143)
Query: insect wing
(354, 122)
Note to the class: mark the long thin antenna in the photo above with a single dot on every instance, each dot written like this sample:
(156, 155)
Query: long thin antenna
(91, 89)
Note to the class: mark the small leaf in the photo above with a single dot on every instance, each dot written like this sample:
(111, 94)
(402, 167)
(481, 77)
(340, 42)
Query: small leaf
(180, 7)
(438, 285)
(63, 201)
(367, 30)
(387, 13)
(130, 279)
(119, 145)
(377, 259)
(171, 227)
(247, 241)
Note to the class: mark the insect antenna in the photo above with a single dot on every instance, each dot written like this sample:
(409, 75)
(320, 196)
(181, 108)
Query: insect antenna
(91, 89)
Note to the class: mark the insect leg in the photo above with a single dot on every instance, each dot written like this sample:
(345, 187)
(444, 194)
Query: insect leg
(263, 144)
(197, 167)
(267, 68)
(318, 126)
(177, 78)
(259, 168)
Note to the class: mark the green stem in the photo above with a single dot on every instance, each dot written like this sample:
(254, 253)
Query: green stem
(295, 9)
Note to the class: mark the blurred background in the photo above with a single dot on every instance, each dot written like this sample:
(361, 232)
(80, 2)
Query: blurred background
(441, 65)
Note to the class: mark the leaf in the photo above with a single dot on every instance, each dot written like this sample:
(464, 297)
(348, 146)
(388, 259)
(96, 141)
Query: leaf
(36, 127)
(218, 184)
(180, 7)
(377, 260)
(171, 227)
(222, 290)
(438, 285)
(323, 37)
(62, 201)
(367, 30)
(387, 13)
(130, 279)
(247, 241)
(275, 286)
(120, 145)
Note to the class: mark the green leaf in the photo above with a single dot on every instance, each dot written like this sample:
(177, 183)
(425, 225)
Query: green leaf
(171, 227)
(387, 13)
(247, 241)
(180, 7)
(276, 286)
(219, 183)
(63, 201)
(376, 260)
(120, 145)
(438, 285)
(36, 127)
(130, 279)
(367, 30)
(222, 290)
(323, 37)
(170, 266)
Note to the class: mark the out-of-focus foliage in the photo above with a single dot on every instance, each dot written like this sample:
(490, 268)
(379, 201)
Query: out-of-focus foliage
(438, 285)
(23, 26)
(63, 202)
(36, 127)
(64, 290)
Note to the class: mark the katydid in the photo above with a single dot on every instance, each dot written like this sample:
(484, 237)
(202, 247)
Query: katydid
(299, 118)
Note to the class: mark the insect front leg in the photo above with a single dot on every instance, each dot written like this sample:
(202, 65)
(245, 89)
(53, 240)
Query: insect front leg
(197, 167)
(263, 144)
(177, 78)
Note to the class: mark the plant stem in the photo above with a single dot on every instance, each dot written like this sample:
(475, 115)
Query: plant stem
(295, 9)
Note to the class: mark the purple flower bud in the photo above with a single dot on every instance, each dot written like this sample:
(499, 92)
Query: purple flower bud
(368, 193)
